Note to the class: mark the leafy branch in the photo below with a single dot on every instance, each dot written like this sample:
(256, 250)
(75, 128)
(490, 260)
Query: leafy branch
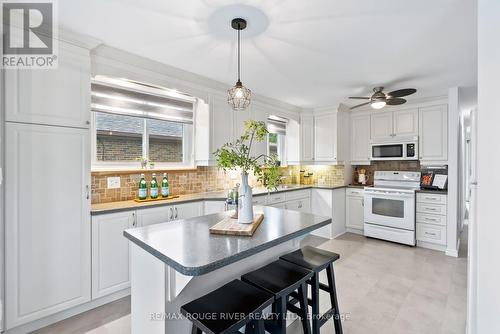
(236, 154)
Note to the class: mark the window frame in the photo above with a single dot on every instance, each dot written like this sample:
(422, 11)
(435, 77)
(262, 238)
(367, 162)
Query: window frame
(187, 151)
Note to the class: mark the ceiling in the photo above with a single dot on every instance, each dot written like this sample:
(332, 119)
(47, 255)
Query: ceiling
(307, 53)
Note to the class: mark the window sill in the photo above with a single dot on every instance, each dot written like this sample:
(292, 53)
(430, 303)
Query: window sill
(114, 171)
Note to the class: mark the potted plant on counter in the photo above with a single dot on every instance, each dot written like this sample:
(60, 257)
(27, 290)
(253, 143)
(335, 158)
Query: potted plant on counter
(237, 156)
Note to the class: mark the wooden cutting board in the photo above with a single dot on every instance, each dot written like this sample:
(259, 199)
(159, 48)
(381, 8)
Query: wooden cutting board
(230, 226)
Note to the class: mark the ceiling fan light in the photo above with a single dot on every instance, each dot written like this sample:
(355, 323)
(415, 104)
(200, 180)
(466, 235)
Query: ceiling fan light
(378, 104)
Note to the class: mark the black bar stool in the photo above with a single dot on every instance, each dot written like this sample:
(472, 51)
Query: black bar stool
(317, 260)
(281, 278)
(228, 309)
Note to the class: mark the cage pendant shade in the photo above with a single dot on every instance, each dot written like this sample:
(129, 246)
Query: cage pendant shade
(238, 97)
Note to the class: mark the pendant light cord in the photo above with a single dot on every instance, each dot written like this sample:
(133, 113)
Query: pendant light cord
(239, 29)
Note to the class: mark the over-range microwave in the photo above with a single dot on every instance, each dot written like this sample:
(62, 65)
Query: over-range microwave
(404, 149)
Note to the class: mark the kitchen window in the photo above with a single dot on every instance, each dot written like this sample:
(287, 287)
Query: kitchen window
(277, 137)
(135, 125)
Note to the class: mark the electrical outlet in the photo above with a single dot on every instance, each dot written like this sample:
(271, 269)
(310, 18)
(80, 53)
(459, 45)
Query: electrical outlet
(113, 182)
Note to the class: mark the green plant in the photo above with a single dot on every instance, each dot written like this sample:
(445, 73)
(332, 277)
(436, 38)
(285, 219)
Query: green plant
(236, 155)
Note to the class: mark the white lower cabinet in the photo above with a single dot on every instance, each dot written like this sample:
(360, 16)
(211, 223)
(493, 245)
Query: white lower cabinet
(302, 205)
(110, 252)
(431, 220)
(47, 221)
(150, 216)
(330, 203)
(188, 210)
(354, 210)
(211, 207)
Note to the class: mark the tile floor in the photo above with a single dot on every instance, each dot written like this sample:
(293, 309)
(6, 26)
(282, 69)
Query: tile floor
(383, 288)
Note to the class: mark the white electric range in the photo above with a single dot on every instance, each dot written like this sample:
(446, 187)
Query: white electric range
(390, 206)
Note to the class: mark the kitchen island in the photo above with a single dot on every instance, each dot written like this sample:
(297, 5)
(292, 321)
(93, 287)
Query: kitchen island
(175, 262)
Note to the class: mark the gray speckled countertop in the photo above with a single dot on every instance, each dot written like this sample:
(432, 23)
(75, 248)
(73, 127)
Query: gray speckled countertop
(209, 196)
(433, 191)
(189, 247)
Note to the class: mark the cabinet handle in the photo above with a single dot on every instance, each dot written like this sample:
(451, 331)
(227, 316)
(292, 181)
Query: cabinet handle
(431, 219)
(134, 221)
(87, 122)
(432, 198)
(176, 213)
(87, 191)
(430, 209)
(300, 205)
(429, 233)
(363, 202)
(171, 213)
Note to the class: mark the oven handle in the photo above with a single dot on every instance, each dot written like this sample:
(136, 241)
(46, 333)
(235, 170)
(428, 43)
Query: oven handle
(388, 194)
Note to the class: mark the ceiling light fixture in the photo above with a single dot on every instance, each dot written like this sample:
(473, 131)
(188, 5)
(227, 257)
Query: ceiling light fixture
(239, 96)
(378, 104)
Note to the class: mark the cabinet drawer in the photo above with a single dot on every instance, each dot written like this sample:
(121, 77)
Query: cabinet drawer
(297, 194)
(276, 198)
(259, 200)
(431, 198)
(431, 219)
(355, 192)
(431, 233)
(437, 209)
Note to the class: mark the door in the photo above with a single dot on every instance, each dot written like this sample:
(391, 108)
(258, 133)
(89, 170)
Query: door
(302, 205)
(47, 221)
(392, 209)
(110, 252)
(158, 215)
(381, 126)
(433, 134)
(406, 122)
(360, 139)
(188, 210)
(355, 212)
(307, 137)
(325, 137)
(53, 97)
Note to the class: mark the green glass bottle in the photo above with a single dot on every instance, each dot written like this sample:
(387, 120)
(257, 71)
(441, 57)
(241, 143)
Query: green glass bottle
(154, 187)
(165, 191)
(143, 188)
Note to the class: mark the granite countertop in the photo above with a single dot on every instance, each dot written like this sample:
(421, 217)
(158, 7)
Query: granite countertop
(208, 196)
(189, 247)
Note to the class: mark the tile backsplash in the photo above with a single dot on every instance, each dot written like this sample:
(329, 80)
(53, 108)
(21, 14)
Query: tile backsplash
(202, 179)
(410, 166)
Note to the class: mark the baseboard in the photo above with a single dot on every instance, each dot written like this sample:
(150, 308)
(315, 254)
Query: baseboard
(51, 319)
(340, 234)
(354, 230)
(430, 245)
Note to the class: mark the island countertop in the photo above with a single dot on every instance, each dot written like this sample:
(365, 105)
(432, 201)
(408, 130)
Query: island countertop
(188, 246)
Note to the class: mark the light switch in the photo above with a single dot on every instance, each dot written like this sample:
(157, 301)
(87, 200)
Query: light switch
(113, 182)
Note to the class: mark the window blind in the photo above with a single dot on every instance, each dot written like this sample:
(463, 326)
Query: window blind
(276, 126)
(140, 100)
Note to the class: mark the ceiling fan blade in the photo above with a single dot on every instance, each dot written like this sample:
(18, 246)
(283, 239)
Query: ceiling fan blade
(359, 97)
(395, 102)
(360, 105)
(402, 92)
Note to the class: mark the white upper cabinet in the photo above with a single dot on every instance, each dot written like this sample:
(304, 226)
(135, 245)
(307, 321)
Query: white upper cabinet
(47, 221)
(307, 138)
(259, 113)
(58, 96)
(390, 124)
(360, 139)
(405, 122)
(433, 134)
(325, 137)
(381, 125)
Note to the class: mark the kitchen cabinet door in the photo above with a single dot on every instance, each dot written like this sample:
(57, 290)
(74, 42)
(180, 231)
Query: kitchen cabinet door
(302, 205)
(188, 210)
(360, 139)
(110, 252)
(211, 207)
(322, 205)
(59, 96)
(355, 212)
(221, 123)
(47, 221)
(158, 215)
(433, 134)
(406, 122)
(307, 137)
(258, 148)
(325, 137)
(381, 125)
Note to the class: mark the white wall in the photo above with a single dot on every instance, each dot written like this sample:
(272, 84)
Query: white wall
(488, 218)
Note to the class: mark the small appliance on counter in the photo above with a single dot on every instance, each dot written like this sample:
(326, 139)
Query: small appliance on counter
(362, 177)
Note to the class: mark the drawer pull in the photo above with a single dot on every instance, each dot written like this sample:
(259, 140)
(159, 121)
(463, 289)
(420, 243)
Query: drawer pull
(430, 209)
(429, 233)
(431, 219)
(432, 198)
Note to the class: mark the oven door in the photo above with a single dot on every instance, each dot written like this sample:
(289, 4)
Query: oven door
(388, 151)
(390, 208)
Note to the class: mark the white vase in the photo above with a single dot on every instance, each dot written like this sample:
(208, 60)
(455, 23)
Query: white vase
(245, 205)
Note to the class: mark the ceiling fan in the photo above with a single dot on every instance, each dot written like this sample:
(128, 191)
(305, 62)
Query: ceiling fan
(379, 99)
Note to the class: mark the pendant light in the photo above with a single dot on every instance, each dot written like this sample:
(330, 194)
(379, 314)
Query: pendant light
(239, 96)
